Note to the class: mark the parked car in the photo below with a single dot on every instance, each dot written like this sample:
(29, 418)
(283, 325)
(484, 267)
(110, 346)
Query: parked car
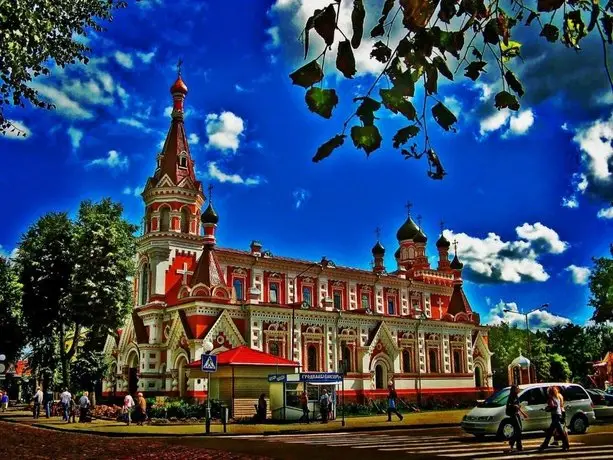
(489, 417)
(603, 403)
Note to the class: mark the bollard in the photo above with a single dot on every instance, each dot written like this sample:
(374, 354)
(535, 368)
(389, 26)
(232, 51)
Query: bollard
(224, 417)
(208, 420)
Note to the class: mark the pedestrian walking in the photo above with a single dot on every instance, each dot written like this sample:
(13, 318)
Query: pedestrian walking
(391, 405)
(83, 407)
(304, 404)
(557, 436)
(65, 400)
(141, 409)
(324, 406)
(73, 409)
(554, 407)
(262, 408)
(4, 401)
(515, 413)
(38, 400)
(48, 402)
(128, 404)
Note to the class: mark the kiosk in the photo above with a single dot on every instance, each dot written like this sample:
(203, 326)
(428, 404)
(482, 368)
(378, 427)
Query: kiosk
(285, 391)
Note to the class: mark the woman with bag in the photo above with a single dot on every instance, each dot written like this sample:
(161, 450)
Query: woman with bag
(515, 412)
(554, 406)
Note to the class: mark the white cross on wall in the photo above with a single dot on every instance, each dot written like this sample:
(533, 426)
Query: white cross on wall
(184, 272)
(440, 303)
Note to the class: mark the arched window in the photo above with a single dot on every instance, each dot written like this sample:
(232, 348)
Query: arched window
(144, 284)
(273, 349)
(239, 288)
(433, 360)
(407, 364)
(346, 359)
(185, 220)
(164, 219)
(312, 358)
(457, 361)
(379, 377)
(478, 379)
(182, 161)
(411, 253)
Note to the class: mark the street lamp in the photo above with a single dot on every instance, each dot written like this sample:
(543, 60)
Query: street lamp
(542, 307)
(207, 347)
(420, 317)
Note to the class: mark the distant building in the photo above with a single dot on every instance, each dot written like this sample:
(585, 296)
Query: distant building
(413, 325)
(603, 372)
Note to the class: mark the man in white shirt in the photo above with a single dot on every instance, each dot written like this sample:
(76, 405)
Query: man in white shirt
(38, 400)
(65, 399)
(128, 404)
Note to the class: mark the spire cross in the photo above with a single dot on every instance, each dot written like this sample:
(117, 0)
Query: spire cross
(419, 221)
(455, 246)
(378, 233)
(210, 193)
(179, 64)
(409, 205)
(442, 224)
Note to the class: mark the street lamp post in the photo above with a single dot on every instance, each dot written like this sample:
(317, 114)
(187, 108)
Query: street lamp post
(207, 346)
(421, 316)
(525, 315)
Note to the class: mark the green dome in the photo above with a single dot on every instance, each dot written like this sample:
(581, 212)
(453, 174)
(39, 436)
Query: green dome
(420, 237)
(378, 249)
(209, 216)
(408, 230)
(443, 242)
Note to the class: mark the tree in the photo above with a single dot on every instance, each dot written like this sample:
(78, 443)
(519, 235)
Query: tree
(76, 278)
(434, 36)
(12, 334)
(559, 371)
(579, 345)
(601, 289)
(35, 34)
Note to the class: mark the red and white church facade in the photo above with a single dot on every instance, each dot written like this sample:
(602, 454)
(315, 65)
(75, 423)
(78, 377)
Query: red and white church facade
(412, 325)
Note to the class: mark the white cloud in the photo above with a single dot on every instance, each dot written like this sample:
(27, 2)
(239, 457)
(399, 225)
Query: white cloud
(215, 173)
(146, 57)
(241, 89)
(75, 137)
(570, 202)
(494, 122)
(193, 139)
(113, 160)
(565, 127)
(224, 131)
(606, 213)
(124, 59)
(520, 124)
(492, 260)
(88, 92)
(123, 95)
(539, 320)
(486, 90)
(300, 196)
(453, 104)
(136, 191)
(63, 104)
(17, 131)
(135, 124)
(8, 255)
(580, 275)
(275, 38)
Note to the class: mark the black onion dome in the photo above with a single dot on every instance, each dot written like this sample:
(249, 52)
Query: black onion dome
(209, 216)
(408, 230)
(443, 242)
(456, 264)
(420, 237)
(378, 249)
(397, 253)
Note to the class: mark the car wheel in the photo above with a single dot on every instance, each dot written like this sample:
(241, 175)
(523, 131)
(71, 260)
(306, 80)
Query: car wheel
(506, 430)
(579, 424)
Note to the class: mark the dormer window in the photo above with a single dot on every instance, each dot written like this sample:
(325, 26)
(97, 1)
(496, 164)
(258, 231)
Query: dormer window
(183, 160)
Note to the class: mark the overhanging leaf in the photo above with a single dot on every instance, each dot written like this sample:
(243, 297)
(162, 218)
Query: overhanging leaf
(441, 65)
(366, 138)
(417, 13)
(307, 30)
(357, 22)
(326, 149)
(594, 15)
(431, 79)
(510, 51)
(474, 69)
(321, 101)
(514, 83)
(325, 24)
(504, 99)
(381, 52)
(345, 61)
(574, 29)
(365, 111)
(307, 75)
(490, 32)
(447, 10)
(443, 116)
(607, 26)
(379, 29)
(451, 42)
(405, 84)
(548, 5)
(550, 32)
(404, 134)
(397, 103)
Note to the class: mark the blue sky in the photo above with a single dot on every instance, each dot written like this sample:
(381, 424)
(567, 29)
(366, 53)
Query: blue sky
(527, 194)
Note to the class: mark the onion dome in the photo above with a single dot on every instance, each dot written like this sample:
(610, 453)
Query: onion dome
(420, 237)
(209, 216)
(408, 230)
(443, 242)
(521, 361)
(378, 249)
(456, 264)
(179, 86)
(397, 253)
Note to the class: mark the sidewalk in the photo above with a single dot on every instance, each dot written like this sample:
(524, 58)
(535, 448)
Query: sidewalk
(433, 419)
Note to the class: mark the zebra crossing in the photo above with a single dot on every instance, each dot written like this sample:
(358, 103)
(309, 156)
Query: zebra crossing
(459, 447)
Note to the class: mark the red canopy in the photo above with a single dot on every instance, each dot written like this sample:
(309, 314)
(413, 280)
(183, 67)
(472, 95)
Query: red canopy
(245, 356)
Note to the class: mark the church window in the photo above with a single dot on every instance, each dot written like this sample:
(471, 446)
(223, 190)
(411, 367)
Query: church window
(185, 220)
(346, 359)
(273, 294)
(433, 360)
(391, 306)
(273, 349)
(407, 362)
(144, 284)
(365, 301)
(312, 358)
(338, 300)
(164, 219)
(148, 221)
(183, 160)
(457, 361)
(307, 295)
(238, 285)
(411, 253)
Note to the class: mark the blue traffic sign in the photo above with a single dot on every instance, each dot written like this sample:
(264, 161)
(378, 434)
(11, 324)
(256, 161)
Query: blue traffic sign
(209, 363)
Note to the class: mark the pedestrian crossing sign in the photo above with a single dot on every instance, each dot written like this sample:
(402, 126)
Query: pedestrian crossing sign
(209, 363)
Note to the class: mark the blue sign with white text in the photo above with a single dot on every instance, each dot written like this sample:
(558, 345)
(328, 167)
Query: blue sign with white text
(209, 363)
(277, 378)
(321, 377)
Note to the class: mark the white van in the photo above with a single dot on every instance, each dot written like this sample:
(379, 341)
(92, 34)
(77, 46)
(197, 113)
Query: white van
(489, 417)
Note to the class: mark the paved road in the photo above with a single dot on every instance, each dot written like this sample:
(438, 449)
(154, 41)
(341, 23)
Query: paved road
(448, 443)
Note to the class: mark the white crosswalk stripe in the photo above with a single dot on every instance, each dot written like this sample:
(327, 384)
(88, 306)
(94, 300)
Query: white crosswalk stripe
(464, 447)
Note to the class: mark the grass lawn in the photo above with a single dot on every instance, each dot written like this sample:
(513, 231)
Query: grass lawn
(375, 422)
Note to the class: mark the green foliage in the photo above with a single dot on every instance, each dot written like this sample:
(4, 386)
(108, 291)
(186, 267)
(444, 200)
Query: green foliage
(12, 335)
(325, 150)
(559, 371)
(37, 33)
(601, 289)
(483, 28)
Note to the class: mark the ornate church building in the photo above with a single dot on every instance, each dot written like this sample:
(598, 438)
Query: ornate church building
(411, 324)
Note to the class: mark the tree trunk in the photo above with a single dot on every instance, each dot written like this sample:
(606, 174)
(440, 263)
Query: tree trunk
(64, 358)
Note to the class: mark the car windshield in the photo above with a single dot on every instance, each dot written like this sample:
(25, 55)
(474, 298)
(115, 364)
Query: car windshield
(498, 399)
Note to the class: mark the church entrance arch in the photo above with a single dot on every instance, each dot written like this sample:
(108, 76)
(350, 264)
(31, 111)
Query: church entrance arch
(478, 377)
(133, 372)
(381, 366)
(181, 366)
